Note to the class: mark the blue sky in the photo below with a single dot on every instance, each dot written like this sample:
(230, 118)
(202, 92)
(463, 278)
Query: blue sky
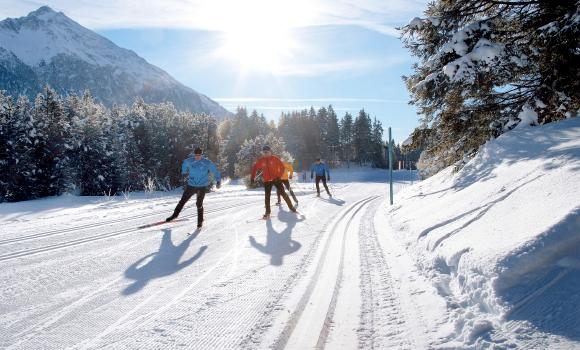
(268, 55)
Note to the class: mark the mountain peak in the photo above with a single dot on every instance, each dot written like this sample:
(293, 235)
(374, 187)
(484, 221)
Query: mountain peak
(44, 12)
(54, 49)
(41, 10)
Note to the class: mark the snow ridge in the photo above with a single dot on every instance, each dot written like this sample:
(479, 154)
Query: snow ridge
(500, 237)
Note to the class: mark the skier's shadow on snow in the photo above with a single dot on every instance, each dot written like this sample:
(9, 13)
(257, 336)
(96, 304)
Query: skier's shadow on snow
(163, 263)
(279, 244)
(333, 200)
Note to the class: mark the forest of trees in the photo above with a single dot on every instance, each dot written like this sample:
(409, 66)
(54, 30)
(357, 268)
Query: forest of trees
(73, 144)
(487, 66)
(62, 145)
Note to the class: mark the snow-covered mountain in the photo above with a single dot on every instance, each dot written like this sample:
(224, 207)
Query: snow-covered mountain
(47, 47)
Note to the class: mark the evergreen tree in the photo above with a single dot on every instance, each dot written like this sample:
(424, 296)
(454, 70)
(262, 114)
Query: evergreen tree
(378, 157)
(487, 66)
(333, 135)
(346, 137)
(53, 134)
(362, 137)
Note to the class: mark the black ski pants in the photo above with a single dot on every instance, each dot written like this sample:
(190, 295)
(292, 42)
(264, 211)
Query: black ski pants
(280, 189)
(187, 193)
(286, 184)
(323, 178)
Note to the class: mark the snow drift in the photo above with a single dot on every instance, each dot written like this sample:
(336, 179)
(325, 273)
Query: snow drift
(500, 238)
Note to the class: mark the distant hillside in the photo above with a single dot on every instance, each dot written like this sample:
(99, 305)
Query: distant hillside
(47, 47)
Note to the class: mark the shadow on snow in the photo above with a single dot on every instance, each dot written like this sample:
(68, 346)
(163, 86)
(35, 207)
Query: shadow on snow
(162, 263)
(279, 244)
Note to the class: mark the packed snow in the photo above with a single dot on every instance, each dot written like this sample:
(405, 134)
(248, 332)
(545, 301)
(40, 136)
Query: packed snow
(485, 257)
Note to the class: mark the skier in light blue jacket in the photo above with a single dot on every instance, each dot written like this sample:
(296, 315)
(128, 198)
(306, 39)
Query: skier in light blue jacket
(197, 169)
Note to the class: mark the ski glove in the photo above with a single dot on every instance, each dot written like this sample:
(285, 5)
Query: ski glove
(252, 180)
(218, 184)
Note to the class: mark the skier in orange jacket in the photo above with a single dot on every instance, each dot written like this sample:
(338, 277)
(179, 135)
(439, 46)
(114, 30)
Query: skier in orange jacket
(286, 175)
(272, 170)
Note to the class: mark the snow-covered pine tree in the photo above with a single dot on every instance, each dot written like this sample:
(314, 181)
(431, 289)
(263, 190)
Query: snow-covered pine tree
(6, 142)
(94, 171)
(362, 137)
(238, 133)
(346, 137)
(52, 133)
(378, 157)
(487, 66)
(333, 135)
(322, 121)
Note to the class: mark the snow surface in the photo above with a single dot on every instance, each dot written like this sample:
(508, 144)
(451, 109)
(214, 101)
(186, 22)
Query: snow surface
(488, 257)
(501, 239)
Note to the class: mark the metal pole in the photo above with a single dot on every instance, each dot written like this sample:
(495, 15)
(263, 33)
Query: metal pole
(390, 165)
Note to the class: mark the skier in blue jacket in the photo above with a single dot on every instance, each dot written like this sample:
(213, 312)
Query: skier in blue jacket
(321, 171)
(197, 169)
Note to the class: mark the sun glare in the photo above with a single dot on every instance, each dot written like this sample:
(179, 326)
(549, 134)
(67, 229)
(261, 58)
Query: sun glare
(257, 35)
(258, 48)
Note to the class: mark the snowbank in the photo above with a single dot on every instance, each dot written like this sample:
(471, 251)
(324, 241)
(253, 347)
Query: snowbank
(500, 239)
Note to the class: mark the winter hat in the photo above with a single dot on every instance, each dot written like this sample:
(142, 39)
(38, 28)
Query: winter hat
(197, 150)
(318, 158)
(266, 148)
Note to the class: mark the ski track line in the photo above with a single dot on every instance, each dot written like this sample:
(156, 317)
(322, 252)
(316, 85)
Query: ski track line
(252, 338)
(89, 226)
(283, 338)
(74, 306)
(150, 316)
(377, 294)
(124, 321)
(98, 224)
(323, 336)
(57, 246)
(395, 255)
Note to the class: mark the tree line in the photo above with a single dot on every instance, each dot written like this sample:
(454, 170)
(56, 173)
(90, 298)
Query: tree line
(59, 145)
(74, 144)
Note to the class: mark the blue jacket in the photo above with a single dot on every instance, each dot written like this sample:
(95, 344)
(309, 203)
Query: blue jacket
(198, 171)
(320, 170)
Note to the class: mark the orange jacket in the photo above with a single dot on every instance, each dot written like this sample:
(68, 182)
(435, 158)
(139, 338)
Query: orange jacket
(272, 168)
(287, 169)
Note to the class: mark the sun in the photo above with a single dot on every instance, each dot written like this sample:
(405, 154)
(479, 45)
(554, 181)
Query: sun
(257, 48)
(257, 35)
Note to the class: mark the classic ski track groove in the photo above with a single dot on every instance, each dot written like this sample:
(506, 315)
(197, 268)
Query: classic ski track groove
(252, 338)
(283, 338)
(323, 335)
(123, 322)
(79, 305)
(374, 267)
(88, 226)
(57, 246)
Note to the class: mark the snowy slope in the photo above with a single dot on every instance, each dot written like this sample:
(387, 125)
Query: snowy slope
(484, 258)
(73, 58)
(501, 239)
